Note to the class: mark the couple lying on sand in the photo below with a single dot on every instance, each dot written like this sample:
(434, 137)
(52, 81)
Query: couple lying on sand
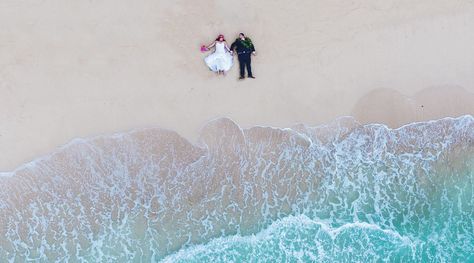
(222, 60)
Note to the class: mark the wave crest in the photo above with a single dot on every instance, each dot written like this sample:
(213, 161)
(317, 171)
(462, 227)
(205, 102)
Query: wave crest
(145, 194)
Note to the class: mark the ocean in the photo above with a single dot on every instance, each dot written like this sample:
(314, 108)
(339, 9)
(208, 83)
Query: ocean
(340, 192)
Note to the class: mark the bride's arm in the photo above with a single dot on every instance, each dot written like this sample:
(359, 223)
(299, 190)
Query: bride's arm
(211, 45)
(227, 47)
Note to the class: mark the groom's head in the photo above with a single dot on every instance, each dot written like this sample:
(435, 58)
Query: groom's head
(242, 36)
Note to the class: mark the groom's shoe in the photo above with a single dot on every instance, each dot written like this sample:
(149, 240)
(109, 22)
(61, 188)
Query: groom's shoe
(252, 77)
(241, 77)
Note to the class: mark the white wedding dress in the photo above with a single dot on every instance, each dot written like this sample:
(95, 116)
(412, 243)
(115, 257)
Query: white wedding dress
(221, 59)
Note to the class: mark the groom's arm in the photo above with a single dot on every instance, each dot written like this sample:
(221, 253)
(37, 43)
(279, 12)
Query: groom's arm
(232, 47)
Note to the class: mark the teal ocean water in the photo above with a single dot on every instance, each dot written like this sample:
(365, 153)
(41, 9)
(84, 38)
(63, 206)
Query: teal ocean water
(341, 192)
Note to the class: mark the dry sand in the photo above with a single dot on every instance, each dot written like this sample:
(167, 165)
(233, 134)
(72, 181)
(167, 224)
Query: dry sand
(80, 68)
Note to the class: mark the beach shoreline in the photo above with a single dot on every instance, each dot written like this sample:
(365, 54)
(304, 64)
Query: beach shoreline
(78, 70)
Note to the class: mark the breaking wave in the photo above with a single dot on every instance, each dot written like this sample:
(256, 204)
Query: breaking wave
(333, 193)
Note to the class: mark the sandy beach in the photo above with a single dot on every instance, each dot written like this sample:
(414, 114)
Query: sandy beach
(73, 69)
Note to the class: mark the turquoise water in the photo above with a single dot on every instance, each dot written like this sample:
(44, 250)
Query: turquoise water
(300, 239)
(341, 192)
(441, 232)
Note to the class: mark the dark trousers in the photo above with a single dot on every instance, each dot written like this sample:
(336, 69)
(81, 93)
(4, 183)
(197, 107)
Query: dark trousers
(244, 62)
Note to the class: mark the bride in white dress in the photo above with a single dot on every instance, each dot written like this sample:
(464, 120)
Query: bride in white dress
(221, 60)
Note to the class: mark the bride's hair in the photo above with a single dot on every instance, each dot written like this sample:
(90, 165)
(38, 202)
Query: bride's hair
(219, 37)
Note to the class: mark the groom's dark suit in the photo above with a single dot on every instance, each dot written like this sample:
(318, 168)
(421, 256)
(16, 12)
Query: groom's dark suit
(243, 52)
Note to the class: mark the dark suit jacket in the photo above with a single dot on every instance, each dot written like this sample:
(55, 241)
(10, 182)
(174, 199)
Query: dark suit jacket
(241, 48)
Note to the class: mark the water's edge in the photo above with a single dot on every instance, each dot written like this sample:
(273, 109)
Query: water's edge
(400, 194)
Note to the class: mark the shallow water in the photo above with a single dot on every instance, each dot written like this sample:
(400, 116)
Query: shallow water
(341, 192)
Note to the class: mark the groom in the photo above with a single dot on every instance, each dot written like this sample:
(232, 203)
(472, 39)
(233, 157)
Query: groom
(244, 48)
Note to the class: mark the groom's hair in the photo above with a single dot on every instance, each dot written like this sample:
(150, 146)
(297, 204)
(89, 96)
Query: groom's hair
(242, 34)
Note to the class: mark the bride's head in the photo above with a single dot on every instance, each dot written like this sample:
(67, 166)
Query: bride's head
(220, 38)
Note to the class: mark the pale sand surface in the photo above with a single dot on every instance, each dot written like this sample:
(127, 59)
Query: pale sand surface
(79, 68)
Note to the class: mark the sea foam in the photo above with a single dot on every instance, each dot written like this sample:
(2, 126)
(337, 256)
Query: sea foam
(383, 194)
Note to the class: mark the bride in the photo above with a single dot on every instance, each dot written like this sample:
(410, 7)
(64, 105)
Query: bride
(221, 60)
